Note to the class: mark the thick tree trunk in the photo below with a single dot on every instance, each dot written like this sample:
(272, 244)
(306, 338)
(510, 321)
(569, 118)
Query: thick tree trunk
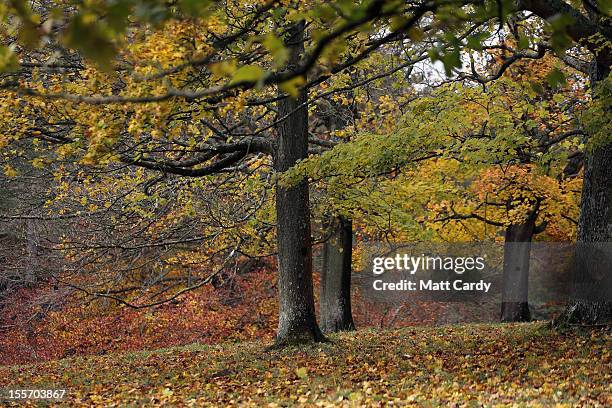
(594, 226)
(517, 250)
(297, 319)
(335, 302)
(595, 223)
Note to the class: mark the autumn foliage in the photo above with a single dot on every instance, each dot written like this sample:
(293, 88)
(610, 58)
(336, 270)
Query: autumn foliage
(244, 309)
(40, 324)
(479, 365)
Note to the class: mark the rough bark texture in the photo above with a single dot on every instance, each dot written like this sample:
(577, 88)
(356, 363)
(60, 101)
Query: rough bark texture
(594, 225)
(335, 302)
(297, 319)
(32, 250)
(517, 249)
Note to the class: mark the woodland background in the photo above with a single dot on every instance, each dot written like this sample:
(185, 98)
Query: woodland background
(169, 168)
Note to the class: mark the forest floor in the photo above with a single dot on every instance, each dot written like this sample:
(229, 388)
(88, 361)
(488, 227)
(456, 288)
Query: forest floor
(456, 365)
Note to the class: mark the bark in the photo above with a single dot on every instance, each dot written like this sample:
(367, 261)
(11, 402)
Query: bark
(517, 250)
(594, 226)
(335, 302)
(595, 222)
(335, 293)
(32, 250)
(297, 319)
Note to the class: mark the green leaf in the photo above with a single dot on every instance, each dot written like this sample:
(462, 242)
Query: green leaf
(605, 7)
(556, 78)
(195, 8)
(397, 22)
(292, 86)
(223, 68)
(530, 124)
(276, 48)
(523, 43)
(325, 13)
(87, 35)
(558, 98)
(155, 14)
(117, 16)
(248, 73)
(8, 60)
(450, 61)
(538, 88)
(559, 38)
(475, 41)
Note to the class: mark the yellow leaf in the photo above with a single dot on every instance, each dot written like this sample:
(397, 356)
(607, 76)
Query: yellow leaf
(292, 86)
(302, 373)
(248, 73)
(9, 171)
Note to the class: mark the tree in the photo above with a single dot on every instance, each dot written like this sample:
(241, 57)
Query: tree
(335, 298)
(516, 185)
(221, 73)
(588, 25)
(499, 158)
(212, 111)
(297, 322)
(336, 114)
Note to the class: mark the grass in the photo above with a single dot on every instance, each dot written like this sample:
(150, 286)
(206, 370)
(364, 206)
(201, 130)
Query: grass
(462, 365)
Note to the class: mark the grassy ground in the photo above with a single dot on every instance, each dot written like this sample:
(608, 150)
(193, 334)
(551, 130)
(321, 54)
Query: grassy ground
(467, 365)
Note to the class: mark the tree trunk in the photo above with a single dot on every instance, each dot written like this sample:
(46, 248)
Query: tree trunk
(517, 250)
(594, 226)
(297, 318)
(31, 268)
(335, 302)
(335, 294)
